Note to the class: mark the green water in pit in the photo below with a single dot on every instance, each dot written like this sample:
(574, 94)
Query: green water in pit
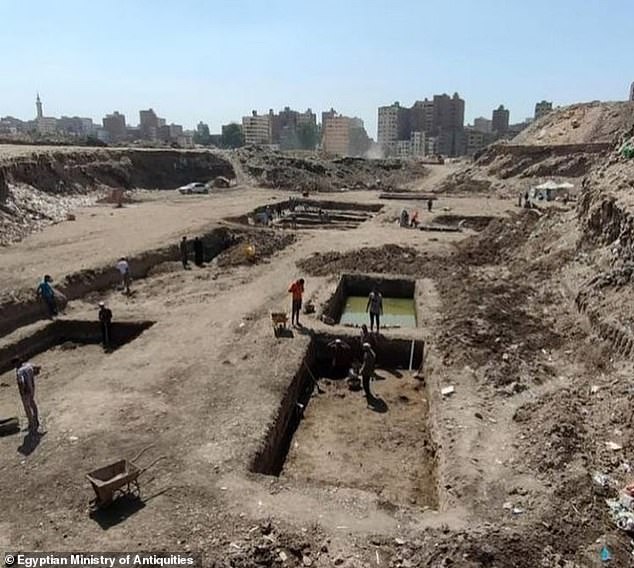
(397, 312)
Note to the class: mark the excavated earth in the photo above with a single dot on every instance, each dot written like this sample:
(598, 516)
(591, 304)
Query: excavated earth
(527, 320)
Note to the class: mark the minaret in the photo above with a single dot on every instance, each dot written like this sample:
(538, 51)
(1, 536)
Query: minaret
(38, 104)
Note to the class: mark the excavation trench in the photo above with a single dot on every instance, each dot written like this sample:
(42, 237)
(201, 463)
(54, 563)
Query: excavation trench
(309, 214)
(78, 332)
(331, 436)
(347, 306)
(16, 313)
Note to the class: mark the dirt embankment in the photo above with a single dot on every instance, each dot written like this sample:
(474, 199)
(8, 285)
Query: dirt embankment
(567, 144)
(311, 172)
(39, 186)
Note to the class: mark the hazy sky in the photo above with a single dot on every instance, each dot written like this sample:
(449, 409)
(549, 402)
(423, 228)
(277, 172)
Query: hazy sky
(216, 60)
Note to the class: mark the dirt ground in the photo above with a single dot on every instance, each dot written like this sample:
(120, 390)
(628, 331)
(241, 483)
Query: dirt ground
(203, 387)
(341, 444)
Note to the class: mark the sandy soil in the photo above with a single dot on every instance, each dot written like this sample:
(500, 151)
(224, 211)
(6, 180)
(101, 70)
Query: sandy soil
(203, 387)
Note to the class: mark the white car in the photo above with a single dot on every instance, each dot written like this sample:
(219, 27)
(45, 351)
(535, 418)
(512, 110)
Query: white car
(196, 187)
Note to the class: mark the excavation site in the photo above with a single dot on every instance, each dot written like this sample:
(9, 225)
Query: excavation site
(281, 372)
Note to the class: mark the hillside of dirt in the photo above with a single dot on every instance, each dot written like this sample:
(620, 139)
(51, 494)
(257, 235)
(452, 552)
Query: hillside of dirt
(584, 123)
(565, 145)
(42, 185)
(312, 172)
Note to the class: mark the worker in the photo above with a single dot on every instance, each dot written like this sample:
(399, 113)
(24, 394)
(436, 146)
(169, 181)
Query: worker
(46, 292)
(341, 356)
(367, 369)
(25, 376)
(105, 320)
(124, 269)
(430, 203)
(375, 307)
(297, 291)
(519, 202)
(198, 252)
(414, 220)
(184, 253)
(365, 335)
(527, 201)
(404, 219)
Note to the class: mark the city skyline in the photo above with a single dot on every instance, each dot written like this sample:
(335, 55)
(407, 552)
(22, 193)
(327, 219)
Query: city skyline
(216, 63)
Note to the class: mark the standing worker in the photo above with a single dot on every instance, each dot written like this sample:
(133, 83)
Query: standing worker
(297, 291)
(184, 253)
(46, 292)
(124, 269)
(430, 203)
(375, 307)
(105, 319)
(25, 376)
(198, 252)
(367, 369)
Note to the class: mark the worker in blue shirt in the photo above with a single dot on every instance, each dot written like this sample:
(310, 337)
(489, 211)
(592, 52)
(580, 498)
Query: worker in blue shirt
(46, 292)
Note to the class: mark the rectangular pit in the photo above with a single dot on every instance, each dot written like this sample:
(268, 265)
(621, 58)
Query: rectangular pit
(347, 305)
(69, 331)
(333, 438)
(310, 214)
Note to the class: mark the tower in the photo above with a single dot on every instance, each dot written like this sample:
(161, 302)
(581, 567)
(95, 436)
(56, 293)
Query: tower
(38, 105)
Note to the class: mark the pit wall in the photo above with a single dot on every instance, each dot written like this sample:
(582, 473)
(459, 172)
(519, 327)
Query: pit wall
(15, 314)
(362, 285)
(76, 170)
(324, 204)
(391, 353)
(60, 331)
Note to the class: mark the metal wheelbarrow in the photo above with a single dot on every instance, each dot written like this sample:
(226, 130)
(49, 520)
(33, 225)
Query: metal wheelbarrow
(117, 479)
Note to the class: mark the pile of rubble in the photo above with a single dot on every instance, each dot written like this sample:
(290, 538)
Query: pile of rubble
(27, 209)
(308, 171)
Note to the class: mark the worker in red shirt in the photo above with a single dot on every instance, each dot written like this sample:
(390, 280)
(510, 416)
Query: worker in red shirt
(297, 291)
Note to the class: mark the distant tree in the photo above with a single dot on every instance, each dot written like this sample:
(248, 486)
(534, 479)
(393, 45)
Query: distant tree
(202, 135)
(308, 135)
(232, 136)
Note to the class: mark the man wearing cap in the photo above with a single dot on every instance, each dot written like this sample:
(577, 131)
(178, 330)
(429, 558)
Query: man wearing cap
(367, 369)
(105, 320)
(25, 376)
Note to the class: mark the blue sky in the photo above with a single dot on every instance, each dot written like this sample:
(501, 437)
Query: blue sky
(216, 60)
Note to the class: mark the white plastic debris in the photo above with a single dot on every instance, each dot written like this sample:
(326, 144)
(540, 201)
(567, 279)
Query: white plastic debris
(613, 446)
(447, 391)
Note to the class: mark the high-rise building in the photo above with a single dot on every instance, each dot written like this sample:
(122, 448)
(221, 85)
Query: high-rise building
(336, 135)
(441, 118)
(500, 122)
(632, 91)
(388, 124)
(448, 113)
(149, 124)
(114, 125)
(257, 129)
(542, 108)
(308, 117)
(482, 124)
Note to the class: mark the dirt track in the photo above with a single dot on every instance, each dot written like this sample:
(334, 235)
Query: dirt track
(205, 383)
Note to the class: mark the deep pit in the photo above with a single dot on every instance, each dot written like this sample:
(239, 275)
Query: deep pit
(347, 306)
(309, 214)
(69, 334)
(331, 436)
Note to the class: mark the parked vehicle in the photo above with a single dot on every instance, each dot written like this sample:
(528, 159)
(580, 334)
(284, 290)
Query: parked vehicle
(195, 187)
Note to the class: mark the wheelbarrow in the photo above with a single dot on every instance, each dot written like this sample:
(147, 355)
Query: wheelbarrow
(279, 321)
(117, 479)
